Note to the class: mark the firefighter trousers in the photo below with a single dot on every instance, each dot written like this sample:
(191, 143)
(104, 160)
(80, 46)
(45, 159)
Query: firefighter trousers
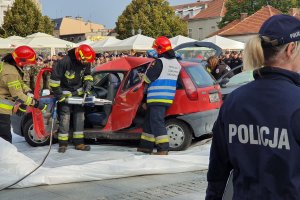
(5, 127)
(65, 110)
(154, 130)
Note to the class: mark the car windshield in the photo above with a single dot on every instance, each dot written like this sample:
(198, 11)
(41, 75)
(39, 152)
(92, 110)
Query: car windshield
(200, 76)
(241, 78)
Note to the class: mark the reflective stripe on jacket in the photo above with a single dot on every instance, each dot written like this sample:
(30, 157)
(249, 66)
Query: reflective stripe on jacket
(12, 88)
(163, 89)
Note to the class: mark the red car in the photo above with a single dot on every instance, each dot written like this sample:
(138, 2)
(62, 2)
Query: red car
(193, 113)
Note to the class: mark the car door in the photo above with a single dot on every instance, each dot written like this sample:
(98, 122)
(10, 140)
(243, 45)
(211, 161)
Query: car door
(37, 115)
(128, 99)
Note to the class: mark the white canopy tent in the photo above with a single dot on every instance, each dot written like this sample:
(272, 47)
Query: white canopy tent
(43, 40)
(103, 44)
(4, 44)
(179, 39)
(88, 42)
(137, 42)
(10, 42)
(225, 43)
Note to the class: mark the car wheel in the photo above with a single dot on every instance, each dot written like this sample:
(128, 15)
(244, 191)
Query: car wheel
(179, 133)
(30, 135)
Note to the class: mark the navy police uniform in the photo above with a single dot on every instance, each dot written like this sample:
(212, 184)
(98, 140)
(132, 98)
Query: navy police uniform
(260, 143)
(162, 78)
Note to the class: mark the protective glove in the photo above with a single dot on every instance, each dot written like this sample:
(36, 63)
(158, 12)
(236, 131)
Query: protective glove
(40, 105)
(87, 87)
(20, 109)
(30, 94)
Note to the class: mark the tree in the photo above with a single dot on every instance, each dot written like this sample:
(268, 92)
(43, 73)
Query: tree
(24, 18)
(153, 17)
(236, 7)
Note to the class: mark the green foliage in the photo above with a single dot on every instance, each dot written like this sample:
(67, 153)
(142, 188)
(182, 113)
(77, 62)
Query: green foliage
(153, 17)
(236, 7)
(24, 18)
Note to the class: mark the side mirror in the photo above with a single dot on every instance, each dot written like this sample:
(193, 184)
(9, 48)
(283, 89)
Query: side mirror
(223, 82)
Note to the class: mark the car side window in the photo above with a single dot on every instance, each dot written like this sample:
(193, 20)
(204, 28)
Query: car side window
(134, 77)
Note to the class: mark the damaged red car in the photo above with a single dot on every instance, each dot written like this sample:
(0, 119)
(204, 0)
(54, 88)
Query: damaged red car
(193, 113)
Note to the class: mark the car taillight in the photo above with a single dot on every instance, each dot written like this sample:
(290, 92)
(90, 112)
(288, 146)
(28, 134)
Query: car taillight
(189, 86)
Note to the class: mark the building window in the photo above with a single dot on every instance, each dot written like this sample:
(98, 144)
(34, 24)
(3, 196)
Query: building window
(200, 34)
(190, 33)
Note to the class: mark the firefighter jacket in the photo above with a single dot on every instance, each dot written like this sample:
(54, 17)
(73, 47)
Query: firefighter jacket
(257, 136)
(70, 77)
(163, 89)
(12, 88)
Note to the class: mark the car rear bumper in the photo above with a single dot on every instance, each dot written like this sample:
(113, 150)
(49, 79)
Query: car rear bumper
(201, 122)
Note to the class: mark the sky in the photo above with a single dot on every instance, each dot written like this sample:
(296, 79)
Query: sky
(104, 12)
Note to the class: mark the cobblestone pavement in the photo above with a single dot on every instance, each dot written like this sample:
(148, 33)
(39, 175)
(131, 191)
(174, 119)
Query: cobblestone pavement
(180, 186)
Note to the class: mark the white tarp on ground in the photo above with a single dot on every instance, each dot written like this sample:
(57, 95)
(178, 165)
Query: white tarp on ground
(102, 162)
(179, 39)
(225, 43)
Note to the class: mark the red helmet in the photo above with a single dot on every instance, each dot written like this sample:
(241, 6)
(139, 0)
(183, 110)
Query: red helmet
(85, 52)
(24, 55)
(162, 44)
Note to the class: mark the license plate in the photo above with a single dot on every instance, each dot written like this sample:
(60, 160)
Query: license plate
(214, 97)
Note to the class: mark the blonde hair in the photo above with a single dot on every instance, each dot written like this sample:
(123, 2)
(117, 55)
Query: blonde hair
(256, 56)
(253, 54)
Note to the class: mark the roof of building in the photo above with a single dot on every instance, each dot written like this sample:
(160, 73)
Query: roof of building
(188, 5)
(249, 25)
(215, 8)
(70, 26)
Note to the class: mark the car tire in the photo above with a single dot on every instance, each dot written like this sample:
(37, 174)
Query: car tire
(29, 135)
(179, 133)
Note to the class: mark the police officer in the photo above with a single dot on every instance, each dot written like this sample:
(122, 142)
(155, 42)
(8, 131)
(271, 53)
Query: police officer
(72, 77)
(162, 78)
(257, 131)
(13, 91)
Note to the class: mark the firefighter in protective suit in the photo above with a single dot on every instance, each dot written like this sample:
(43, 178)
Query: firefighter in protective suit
(72, 77)
(13, 92)
(161, 78)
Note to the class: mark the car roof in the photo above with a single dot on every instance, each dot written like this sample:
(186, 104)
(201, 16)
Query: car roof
(123, 64)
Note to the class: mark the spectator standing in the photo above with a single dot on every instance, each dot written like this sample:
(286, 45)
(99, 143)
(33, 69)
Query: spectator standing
(217, 67)
(235, 62)
(256, 135)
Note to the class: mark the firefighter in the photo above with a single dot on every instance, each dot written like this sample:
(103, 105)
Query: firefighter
(13, 91)
(161, 77)
(71, 76)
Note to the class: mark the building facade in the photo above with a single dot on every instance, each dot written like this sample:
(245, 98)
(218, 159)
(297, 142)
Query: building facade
(77, 30)
(202, 16)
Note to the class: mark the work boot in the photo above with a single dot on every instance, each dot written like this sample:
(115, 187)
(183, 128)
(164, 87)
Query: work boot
(62, 148)
(82, 147)
(144, 150)
(161, 153)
